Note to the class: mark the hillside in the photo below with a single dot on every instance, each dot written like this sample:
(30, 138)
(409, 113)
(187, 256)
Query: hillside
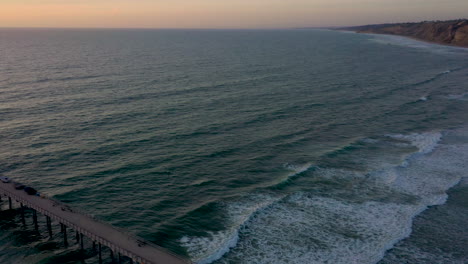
(453, 32)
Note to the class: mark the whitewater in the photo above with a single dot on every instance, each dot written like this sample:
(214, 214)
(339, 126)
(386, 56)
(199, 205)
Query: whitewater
(331, 229)
(240, 146)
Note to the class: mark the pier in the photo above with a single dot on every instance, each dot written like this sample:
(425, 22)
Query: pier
(102, 234)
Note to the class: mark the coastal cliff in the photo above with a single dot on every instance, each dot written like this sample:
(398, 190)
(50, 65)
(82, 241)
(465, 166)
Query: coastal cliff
(453, 32)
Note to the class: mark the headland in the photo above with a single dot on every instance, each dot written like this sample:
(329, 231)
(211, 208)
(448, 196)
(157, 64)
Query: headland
(452, 32)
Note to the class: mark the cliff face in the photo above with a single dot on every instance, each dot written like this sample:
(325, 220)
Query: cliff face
(461, 35)
(454, 32)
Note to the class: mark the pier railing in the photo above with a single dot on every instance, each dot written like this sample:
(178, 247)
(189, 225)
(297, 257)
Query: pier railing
(90, 234)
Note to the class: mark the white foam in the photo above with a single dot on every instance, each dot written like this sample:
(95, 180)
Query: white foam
(423, 98)
(429, 177)
(413, 254)
(306, 229)
(201, 182)
(294, 170)
(370, 140)
(209, 248)
(425, 142)
(386, 176)
(297, 169)
(461, 97)
(349, 226)
(417, 44)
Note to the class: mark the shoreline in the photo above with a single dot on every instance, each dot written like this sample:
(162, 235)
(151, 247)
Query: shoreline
(405, 36)
(421, 40)
(437, 232)
(450, 32)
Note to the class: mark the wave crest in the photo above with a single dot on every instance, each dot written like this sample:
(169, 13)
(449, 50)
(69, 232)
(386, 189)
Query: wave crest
(360, 216)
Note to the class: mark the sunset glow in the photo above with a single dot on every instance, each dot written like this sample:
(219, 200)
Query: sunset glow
(221, 14)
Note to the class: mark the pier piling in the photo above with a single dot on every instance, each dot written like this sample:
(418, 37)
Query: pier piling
(23, 220)
(36, 226)
(100, 253)
(64, 229)
(82, 252)
(49, 226)
(119, 243)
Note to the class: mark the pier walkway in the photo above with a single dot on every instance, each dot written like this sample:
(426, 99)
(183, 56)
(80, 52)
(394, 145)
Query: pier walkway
(118, 241)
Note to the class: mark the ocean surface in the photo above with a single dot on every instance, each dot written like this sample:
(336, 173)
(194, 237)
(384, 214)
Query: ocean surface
(239, 146)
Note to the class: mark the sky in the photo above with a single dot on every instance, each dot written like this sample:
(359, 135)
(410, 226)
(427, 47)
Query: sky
(222, 13)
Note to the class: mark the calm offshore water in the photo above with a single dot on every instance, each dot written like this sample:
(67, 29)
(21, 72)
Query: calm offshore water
(295, 146)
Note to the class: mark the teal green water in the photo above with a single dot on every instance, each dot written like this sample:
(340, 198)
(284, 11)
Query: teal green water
(290, 146)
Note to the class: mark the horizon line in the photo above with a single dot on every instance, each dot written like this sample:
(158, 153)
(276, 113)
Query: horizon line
(175, 28)
(229, 28)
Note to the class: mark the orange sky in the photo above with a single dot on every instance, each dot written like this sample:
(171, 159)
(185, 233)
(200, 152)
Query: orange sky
(221, 13)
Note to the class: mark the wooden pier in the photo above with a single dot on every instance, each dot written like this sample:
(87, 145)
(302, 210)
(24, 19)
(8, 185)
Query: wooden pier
(117, 241)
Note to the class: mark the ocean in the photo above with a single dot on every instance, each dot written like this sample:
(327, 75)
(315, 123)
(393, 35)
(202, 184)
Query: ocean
(240, 146)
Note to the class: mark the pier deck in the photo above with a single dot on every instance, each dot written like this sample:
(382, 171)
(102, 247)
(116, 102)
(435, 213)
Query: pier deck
(132, 247)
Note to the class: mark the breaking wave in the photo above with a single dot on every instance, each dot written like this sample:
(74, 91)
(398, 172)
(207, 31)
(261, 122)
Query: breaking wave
(461, 97)
(207, 249)
(362, 216)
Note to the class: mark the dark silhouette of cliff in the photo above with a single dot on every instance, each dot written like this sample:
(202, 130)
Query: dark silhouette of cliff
(453, 32)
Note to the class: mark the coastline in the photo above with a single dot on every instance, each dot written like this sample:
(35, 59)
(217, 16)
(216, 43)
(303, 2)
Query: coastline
(339, 208)
(405, 36)
(438, 234)
(451, 32)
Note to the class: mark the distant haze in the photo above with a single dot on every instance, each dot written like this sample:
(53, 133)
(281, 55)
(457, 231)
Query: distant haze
(222, 13)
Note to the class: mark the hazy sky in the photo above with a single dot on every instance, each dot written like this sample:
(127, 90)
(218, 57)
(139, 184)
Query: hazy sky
(222, 13)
